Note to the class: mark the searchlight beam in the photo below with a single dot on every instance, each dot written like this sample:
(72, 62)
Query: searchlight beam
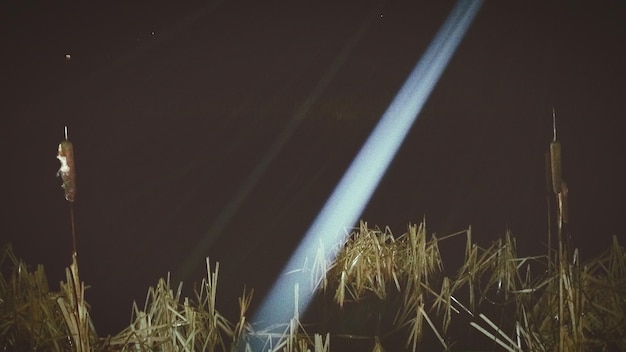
(355, 189)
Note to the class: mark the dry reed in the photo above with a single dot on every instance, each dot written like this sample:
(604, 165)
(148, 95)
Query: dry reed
(593, 305)
(569, 306)
(167, 323)
(30, 318)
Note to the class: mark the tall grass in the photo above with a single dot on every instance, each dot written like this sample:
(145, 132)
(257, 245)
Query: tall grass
(548, 302)
(374, 265)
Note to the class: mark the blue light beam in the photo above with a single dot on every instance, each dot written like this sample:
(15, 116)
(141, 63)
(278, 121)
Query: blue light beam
(354, 190)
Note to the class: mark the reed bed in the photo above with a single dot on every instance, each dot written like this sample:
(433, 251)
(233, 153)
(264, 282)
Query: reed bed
(548, 302)
(372, 265)
(30, 318)
(169, 323)
(375, 264)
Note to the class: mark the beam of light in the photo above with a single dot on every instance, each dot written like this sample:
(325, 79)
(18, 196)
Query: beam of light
(354, 190)
(199, 250)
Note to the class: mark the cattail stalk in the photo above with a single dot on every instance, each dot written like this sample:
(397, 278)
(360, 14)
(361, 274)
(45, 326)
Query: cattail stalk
(72, 305)
(558, 188)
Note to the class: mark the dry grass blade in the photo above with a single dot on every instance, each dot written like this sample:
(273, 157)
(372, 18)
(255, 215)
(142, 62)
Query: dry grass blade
(365, 265)
(242, 325)
(167, 324)
(322, 345)
(415, 330)
(505, 275)
(319, 278)
(29, 316)
(492, 337)
(443, 303)
(340, 293)
(378, 347)
(295, 338)
(434, 329)
(616, 259)
(74, 308)
(593, 307)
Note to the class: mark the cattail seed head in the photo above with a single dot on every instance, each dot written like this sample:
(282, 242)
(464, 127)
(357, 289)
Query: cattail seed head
(555, 166)
(67, 171)
(555, 158)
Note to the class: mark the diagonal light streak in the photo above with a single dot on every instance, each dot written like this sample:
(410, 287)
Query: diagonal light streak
(354, 190)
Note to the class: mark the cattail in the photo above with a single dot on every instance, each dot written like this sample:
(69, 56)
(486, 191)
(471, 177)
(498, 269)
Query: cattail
(555, 159)
(67, 170)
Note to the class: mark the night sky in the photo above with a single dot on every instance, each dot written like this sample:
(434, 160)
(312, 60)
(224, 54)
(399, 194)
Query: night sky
(177, 110)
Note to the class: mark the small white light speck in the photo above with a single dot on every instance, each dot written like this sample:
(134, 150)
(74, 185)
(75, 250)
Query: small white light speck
(68, 57)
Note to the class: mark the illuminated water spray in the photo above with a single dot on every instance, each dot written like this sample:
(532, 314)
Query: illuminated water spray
(351, 195)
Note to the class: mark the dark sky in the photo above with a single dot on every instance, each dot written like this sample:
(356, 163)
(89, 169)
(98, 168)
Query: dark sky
(174, 108)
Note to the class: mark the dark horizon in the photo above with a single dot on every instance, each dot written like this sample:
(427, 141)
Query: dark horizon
(171, 107)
